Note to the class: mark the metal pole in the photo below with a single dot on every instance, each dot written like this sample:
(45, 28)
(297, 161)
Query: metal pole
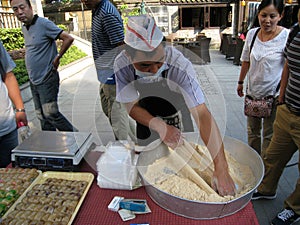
(83, 19)
(236, 17)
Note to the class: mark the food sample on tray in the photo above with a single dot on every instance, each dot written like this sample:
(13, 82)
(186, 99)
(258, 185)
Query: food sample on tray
(13, 182)
(167, 175)
(50, 200)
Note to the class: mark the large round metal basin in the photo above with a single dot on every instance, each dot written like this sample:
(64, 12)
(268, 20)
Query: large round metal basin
(197, 209)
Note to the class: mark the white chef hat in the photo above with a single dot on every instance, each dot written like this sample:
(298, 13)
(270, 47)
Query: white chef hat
(142, 33)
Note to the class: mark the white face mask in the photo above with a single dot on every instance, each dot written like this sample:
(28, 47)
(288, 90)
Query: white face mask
(151, 76)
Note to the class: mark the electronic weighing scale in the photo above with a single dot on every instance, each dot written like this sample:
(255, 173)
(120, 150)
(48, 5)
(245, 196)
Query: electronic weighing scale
(51, 150)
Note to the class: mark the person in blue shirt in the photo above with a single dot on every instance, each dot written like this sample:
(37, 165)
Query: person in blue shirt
(9, 118)
(42, 60)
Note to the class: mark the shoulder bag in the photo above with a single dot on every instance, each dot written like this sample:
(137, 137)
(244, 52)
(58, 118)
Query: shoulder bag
(254, 107)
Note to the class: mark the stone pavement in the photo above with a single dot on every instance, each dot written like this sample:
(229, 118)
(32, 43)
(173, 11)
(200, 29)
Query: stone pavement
(79, 102)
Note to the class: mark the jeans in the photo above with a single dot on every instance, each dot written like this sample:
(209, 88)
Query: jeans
(260, 131)
(7, 143)
(46, 107)
(285, 142)
(122, 125)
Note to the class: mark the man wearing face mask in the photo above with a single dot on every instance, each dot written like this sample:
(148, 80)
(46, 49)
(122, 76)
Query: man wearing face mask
(157, 84)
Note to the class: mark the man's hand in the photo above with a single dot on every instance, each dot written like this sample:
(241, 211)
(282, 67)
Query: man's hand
(280, 99)
(171, 136)
(223, 183)
(21, 117)
(67, 41)
(56, 62)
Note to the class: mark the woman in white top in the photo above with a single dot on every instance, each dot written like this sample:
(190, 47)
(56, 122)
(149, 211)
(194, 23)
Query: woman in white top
(263, 65)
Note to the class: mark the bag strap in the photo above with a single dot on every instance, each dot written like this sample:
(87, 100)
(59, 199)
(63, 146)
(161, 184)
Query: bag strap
(253, 39)
(251, 46)
(2, 72)
(278, 86)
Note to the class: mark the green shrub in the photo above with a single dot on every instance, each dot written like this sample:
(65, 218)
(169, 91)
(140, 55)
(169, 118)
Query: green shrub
(71, 55)
(63, 27)
(126, 12)
(12, 38)
(21, 72)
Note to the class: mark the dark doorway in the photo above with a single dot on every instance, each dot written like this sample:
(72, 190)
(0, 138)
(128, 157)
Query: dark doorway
(217, 17)
(204, 17)
(187, 15)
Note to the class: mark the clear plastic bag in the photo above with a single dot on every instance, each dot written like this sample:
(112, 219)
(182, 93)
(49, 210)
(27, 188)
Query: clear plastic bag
(23, 132)
(116, 167)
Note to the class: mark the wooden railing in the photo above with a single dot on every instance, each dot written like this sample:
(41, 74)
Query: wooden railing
(8, 19)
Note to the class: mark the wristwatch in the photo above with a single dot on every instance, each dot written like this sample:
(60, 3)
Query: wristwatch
(20, 110)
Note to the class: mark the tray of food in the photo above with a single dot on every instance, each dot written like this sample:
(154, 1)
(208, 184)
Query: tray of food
(53, 198)
(13, 183)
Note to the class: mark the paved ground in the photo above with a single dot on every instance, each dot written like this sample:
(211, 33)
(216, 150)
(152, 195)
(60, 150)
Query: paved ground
(79, 102)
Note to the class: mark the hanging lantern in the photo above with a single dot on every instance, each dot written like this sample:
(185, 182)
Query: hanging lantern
(243, 2)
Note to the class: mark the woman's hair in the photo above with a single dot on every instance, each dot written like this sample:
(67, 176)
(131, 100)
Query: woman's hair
(278, 4)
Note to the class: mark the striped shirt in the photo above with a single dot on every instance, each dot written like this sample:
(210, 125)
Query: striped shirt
(107, 33)
(292, 53)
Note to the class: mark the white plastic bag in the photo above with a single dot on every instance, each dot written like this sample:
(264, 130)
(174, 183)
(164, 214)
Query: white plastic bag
(116, 167)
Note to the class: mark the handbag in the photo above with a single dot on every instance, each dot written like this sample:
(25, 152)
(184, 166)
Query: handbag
(261, 108)
(258, 107)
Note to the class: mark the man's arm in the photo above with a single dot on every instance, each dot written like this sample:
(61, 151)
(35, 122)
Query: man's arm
(15, 96)
(283, 82)
(67, 41)
(209, 132)
(170, 135)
